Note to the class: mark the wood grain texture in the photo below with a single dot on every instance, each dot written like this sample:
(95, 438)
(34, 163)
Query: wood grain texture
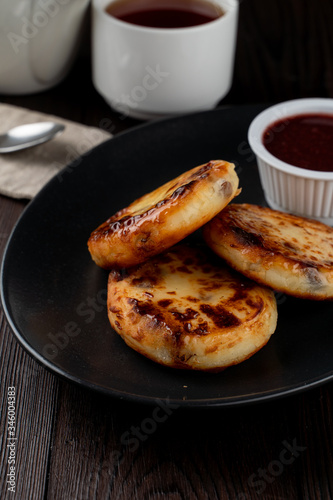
(74, 444)
(284, 50)
(102, 450)
(36, 395)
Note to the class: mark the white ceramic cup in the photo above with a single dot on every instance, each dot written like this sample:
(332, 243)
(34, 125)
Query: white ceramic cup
(38, 41)
(151, 72)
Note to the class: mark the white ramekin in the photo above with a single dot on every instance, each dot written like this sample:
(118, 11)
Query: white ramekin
(288, 188)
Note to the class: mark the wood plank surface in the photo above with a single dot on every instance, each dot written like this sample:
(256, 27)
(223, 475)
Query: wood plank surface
(74, 444)
(36, 396)
(284, 51)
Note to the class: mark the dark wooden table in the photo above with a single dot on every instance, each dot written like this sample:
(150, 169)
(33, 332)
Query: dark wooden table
(68, 438)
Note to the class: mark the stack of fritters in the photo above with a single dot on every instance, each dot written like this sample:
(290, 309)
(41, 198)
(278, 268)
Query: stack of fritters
(184, 307)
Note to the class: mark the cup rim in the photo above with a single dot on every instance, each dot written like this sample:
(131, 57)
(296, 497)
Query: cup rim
(232, 7)
(283, 110)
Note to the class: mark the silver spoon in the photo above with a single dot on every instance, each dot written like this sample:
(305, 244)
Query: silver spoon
(26, 136)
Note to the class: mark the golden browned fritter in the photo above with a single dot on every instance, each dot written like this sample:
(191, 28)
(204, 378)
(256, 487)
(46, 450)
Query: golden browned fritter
(165, 216)
(186, 309)
(289, 253)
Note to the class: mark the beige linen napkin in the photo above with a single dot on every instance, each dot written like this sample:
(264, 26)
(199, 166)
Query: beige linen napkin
(24, 173)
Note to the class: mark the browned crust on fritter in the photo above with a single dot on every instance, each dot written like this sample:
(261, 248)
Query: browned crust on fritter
(212, 319)
(159, 219)
(289, 253)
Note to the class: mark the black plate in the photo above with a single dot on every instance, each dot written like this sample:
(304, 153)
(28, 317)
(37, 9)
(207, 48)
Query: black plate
(54, 295)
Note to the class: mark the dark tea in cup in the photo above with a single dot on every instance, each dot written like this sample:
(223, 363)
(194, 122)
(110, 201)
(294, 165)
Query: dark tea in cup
(165, 14)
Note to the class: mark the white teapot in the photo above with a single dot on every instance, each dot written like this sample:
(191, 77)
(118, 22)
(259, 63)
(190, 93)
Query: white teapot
(38, 42)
